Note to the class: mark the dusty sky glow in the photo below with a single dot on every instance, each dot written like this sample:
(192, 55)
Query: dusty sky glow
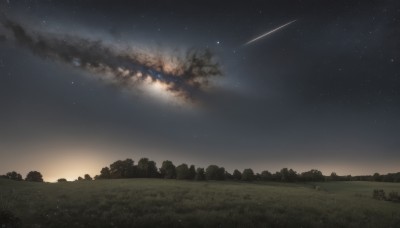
(85, 83)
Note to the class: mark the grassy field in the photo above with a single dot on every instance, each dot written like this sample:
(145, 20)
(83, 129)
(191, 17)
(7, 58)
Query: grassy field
(172, 203)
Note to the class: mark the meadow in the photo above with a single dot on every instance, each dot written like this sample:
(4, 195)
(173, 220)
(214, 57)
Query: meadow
(175, 203)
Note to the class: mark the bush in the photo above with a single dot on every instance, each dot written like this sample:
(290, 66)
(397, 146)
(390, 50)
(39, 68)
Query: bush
(88, 177)
(14, 176)
(34, 176)
(62, 180)
(394, 196)
(379, 194)
(8, 219)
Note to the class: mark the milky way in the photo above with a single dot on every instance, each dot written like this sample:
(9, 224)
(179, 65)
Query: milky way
(183, 77)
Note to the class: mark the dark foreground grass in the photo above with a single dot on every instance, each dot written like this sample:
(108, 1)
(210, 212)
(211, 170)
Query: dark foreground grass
(171, 203)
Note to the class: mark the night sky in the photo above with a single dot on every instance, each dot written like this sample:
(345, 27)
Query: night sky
(86, 83)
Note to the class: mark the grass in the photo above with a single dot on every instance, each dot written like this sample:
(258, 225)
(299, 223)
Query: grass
(172, 203)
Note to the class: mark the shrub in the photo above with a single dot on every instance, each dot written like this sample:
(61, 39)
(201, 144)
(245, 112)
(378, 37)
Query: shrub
(379, 194)
(394, 196)
(88, 177)
(62, 180)
(14, 176)
(34, 176)
(8, 219)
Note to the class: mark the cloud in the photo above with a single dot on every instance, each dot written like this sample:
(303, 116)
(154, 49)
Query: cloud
(185, 76)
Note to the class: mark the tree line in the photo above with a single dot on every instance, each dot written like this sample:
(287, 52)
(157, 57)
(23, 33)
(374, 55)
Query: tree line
(146, 168)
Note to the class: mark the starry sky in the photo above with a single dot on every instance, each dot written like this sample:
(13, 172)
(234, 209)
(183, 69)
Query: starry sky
(86, 83)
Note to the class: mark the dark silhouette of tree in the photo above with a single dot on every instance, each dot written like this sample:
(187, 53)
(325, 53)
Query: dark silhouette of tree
(80, 178)
(212, 172)
(182, 172)
(292, 175)
(61, 180)
(34, 176)
(312, 175)
(265, 176)
(88, 177)
(200, 174)
(376, 177)
(14, 176)
(192, 172)
(288, 175)
(248, 175)
(167, 170)
(122, 169)
(334, 177)
(284, 174)
(147, 168)
(237, 175)
(152, 170)
(228, 176)
(221, 173)
(388, 178)
(277, 176)
(104, 173)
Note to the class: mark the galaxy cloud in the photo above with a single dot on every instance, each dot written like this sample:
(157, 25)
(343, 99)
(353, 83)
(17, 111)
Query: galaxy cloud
(183, 76)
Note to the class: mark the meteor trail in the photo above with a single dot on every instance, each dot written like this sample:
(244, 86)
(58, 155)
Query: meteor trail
(270, 32)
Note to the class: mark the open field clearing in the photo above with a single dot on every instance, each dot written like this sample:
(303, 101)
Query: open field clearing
(172, 203)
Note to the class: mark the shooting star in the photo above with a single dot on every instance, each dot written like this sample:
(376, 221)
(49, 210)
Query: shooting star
(268, 33)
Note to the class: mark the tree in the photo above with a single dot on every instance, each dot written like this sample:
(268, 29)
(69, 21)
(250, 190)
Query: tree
(288, 175)
(228, 176)
(248, 175)
(221, 173)
(192, 172)
(376, 177)
(167, 170)
(80, 178)
(122, 169)
(237, 175)
(152, 170)
(182, 172)
(105, 173)
(312, 175)
(34, 176)
(334, 177)
(147, 168)
(266, 176)
(212, 172)
(88, 177)
(200, 175)
(277, 176)
(61, 180)
(14, 176)
(292, 175)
